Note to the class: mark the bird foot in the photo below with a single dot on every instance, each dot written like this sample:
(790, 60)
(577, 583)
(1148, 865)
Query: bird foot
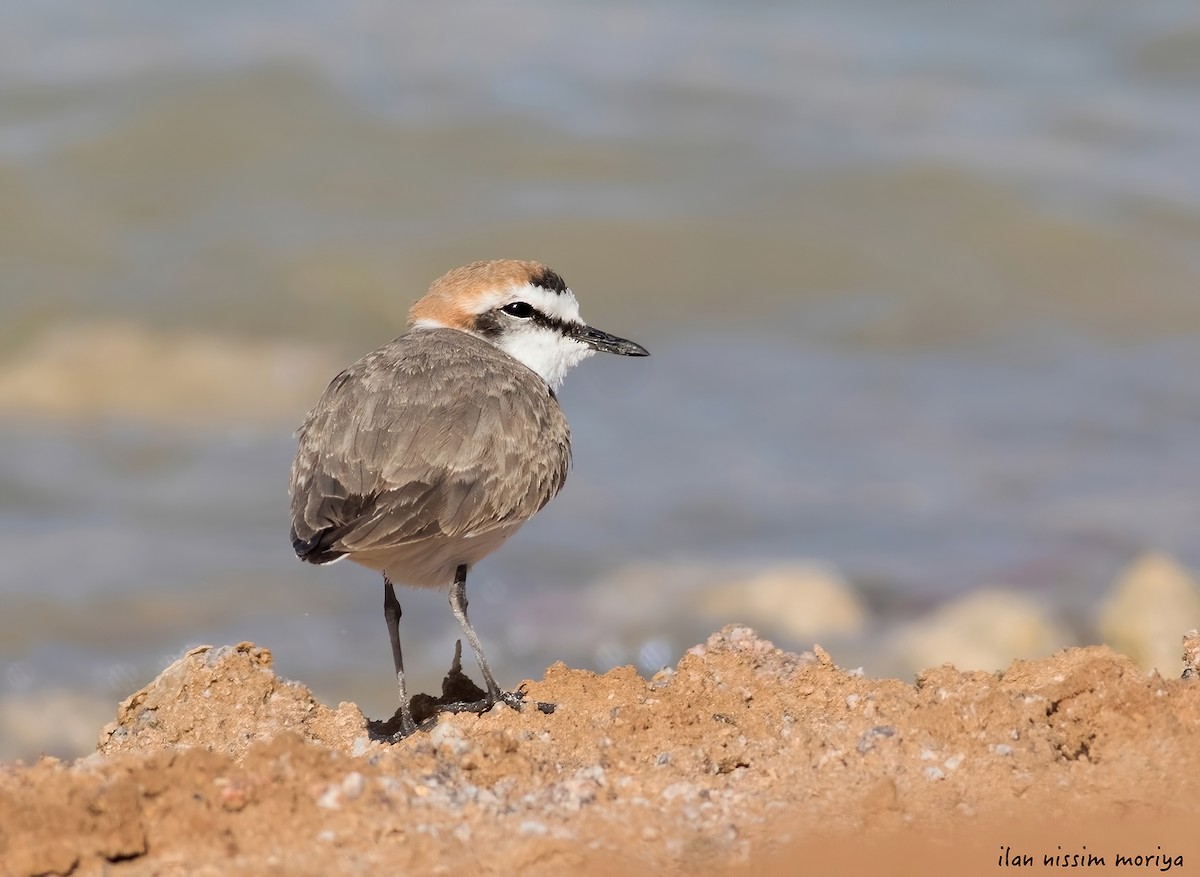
(459, 695)
(513, 699)
(406, 728)
(402, 724)
(427, 710)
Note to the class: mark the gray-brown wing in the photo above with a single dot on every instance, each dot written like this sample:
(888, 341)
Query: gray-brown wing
(435, 433)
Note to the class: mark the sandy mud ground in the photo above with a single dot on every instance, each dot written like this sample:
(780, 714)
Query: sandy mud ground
(743, 758)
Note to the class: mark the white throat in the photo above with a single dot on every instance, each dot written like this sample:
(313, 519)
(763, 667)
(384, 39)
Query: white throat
(543, 348)
(545, 351)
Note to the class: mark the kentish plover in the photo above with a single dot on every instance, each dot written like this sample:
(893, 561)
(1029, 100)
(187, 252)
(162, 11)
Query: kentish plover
(424, 456)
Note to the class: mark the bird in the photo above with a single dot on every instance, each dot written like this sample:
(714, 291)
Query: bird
(425, 455)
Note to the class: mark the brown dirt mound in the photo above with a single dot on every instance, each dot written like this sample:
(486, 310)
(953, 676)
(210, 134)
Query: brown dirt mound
(743, 754)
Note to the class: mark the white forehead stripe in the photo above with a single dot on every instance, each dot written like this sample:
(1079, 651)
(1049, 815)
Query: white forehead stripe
(560, 305)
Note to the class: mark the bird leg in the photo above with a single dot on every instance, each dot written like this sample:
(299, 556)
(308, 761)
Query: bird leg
(515, 699)
(458, 605)
(391, 613)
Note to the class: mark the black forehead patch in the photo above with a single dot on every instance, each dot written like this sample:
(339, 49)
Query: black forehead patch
(548, 279)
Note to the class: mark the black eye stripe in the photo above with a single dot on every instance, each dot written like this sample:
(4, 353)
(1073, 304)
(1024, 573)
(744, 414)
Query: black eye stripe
(548, 322)
(492, 324)
(544, 321)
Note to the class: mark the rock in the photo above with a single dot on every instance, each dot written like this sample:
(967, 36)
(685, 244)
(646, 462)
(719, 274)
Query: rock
(983, 630)
(1191, 654)
(224, 699)
(799, 600)
(1149, 604)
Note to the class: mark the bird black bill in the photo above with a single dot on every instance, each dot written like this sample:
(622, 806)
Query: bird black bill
(598, 340)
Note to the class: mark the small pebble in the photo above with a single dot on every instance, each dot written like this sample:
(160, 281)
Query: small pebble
(353, 784)
(331, 798)
(679, 790)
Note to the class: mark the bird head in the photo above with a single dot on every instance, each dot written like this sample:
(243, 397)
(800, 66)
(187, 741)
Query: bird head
(523, 308)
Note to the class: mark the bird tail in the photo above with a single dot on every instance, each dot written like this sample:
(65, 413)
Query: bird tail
(319, 548)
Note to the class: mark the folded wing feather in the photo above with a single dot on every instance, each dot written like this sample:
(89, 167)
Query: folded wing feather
(436, 433)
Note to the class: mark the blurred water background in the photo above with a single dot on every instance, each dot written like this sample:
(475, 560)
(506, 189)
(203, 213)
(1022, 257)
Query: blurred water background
(921, 281)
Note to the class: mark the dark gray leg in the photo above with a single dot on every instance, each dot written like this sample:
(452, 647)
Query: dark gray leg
(458, 605)
(391, 613)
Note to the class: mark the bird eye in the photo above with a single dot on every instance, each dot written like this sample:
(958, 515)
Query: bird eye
(522, 309)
